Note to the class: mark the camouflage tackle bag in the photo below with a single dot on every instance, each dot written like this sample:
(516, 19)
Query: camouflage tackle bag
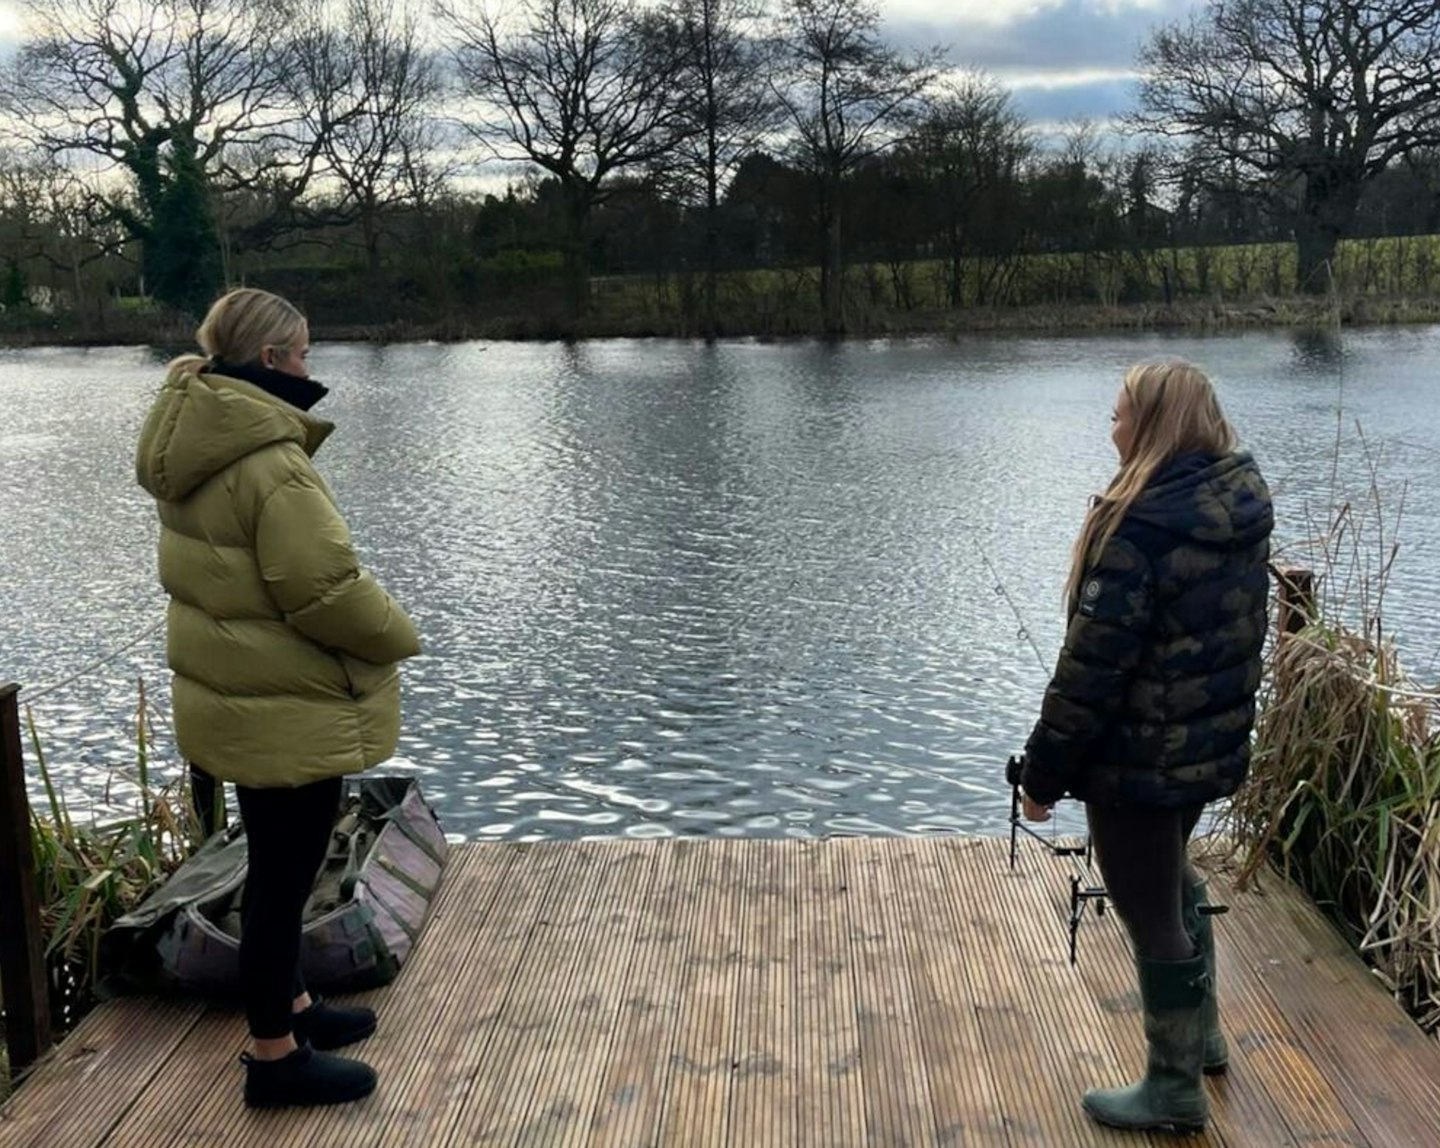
(361, 921)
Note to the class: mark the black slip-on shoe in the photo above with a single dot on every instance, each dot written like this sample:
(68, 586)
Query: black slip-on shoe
(328, 1026)
(305, 1078)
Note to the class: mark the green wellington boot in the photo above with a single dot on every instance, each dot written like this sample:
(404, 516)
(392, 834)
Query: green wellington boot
(1202, 934)
(1171, 1095)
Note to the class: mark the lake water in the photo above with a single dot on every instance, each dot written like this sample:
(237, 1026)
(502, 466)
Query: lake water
(667, 588)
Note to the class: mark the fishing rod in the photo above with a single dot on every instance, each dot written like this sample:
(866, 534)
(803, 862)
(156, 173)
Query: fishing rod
(1083, 890)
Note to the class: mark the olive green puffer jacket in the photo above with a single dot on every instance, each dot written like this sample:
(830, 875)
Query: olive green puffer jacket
(284, 651)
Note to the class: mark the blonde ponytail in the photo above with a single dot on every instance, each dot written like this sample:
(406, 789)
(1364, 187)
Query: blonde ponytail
(240, 325)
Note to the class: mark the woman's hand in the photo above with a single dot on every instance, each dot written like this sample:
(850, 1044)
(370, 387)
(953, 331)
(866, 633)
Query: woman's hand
(1033, 810)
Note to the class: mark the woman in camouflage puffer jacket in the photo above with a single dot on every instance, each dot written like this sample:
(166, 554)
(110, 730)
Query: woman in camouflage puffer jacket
(1149, 713)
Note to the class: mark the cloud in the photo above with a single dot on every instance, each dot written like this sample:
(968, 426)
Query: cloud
(1062, 59)
(9, 31)
(1099, 100)
(1011, 38)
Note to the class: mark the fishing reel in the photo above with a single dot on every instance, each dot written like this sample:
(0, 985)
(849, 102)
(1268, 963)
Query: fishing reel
(1082, 890)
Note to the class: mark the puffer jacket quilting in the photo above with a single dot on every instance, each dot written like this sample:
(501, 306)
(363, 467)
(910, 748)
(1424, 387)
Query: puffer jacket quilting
(1153, 697)
(283, 649)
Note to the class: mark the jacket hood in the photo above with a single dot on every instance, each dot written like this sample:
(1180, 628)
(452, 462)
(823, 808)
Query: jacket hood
(201, 423)
(1214, 501)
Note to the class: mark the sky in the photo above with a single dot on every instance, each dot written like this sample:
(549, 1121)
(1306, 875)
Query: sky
(1062, 59)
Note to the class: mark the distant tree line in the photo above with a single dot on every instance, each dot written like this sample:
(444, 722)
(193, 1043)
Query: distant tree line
(160, 149)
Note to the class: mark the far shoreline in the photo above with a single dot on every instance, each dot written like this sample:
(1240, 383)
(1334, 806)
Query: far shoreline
(1186, 316)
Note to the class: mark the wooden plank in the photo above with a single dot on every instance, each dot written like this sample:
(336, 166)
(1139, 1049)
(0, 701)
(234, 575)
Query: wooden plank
(1037, 1104)
(763, 1096)
(1052, 1021)
(759, 1112)
(475, 880)
(752, 992)
(703, 1057)
(553, 1104)
(186, 1112)
(111, 1058)
(203, 1070)
(830, 1102)
(555, 982)
(1244, 1110)
(222, 1119)
(896, 1087)
(447, 1040)
(1274, 1093)
(631, 1094)
(1383, 1069)
(1273, 1087)
(939, 952)
(962, 877)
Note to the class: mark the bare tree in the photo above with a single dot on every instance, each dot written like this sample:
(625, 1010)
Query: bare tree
(847, 96)
(368, 89)
(969, 146)
(1310, 100)
(729, 103)
(583, 89)
(160, 91)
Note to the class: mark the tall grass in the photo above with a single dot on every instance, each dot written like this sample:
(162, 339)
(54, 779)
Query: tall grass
(91, 871)
(1344, 793)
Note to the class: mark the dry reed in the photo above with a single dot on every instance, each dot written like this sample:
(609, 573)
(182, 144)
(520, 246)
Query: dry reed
(1344, 792)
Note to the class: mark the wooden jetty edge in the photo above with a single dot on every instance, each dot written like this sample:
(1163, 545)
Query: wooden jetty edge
(851, 991)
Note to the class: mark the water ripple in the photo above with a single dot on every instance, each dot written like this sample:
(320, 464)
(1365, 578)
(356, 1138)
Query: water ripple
(675, 590)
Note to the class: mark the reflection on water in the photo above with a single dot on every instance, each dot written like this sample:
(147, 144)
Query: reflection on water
(668, 588)
(1320, 350)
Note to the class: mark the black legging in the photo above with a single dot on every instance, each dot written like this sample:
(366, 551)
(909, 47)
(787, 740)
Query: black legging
(287, 831)
(208, 797)
(1142, 855)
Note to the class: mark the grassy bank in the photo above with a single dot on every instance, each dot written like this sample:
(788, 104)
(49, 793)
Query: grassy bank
(637, 317)
(879, 321)
(1376, 281)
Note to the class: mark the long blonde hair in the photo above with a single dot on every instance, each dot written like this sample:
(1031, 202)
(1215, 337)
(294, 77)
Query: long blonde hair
(1173, 411)
(240, 325)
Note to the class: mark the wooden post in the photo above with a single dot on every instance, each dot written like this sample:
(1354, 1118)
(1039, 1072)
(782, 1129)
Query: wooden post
(1297, 597)
(22, 955)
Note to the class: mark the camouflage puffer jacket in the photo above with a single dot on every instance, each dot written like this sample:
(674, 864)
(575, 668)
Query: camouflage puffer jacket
(1153, 698)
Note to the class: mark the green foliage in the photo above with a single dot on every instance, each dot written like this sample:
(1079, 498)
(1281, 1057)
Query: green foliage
(92, 873)
(13, 289)
(181, 253)
(520, 260)
(447, 285)
(135, 304)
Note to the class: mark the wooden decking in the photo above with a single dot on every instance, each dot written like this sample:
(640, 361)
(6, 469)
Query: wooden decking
(848, 992)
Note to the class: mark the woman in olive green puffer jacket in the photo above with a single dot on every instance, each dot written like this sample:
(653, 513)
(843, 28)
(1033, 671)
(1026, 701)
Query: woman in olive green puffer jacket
(284, 654)
(283, 648)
